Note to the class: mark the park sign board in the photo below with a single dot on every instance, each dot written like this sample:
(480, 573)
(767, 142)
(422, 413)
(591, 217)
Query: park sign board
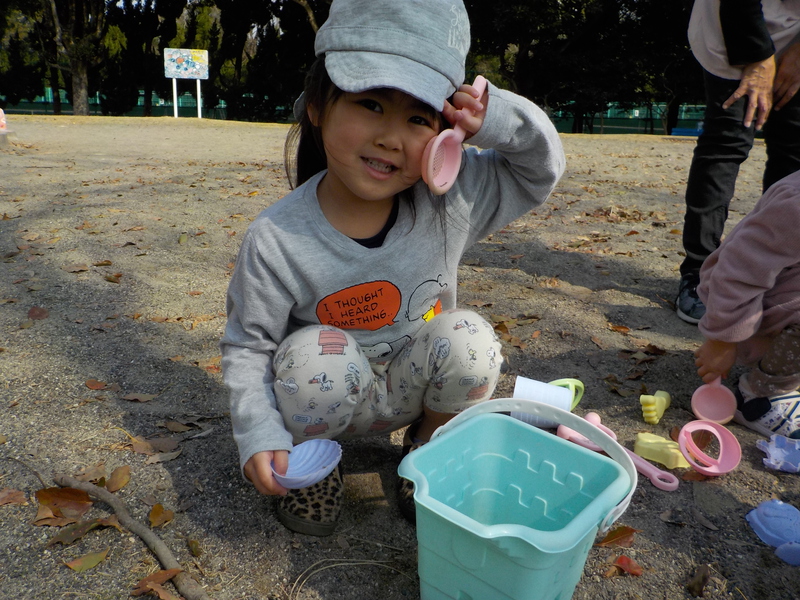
(180, 63)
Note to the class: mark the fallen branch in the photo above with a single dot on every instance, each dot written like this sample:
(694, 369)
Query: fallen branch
(187, 586)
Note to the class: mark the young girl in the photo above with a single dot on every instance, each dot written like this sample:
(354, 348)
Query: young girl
(751, 288)
(341, 310)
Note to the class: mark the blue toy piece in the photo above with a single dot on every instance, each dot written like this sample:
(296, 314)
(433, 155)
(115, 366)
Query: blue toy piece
(783, 454)
(778, 524)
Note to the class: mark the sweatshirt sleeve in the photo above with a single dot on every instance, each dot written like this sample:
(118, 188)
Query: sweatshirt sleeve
(521, 162)
(746, 266)
(747, 39)
(258, 307)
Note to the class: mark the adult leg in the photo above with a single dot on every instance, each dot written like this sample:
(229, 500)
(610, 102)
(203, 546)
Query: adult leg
(721, 148)
(782, 136)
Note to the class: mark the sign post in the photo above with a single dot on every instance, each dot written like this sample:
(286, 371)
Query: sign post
(180, 63)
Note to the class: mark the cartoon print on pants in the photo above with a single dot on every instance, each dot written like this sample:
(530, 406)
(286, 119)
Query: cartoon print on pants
(319, 427)
(289, 386)
(385, 349)
(353, 379)
(332, 341)
(325, 384)
(492, 354)
(463, 324)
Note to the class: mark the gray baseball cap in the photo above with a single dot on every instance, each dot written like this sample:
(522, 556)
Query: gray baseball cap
(416, 46)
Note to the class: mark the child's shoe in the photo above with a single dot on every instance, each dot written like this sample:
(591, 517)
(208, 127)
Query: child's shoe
(313, 510)
(768, 415)
(405, 488)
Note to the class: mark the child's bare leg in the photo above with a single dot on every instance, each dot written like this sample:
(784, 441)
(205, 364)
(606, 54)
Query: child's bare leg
(430, 422)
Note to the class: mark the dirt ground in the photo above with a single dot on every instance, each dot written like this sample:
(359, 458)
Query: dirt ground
(125, 231)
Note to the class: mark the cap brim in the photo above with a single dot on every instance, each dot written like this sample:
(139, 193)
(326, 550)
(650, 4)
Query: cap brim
(359, 71)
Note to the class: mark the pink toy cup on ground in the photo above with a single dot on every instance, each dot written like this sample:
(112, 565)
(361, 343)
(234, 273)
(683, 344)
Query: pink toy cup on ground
(714, 402)
(730, 453)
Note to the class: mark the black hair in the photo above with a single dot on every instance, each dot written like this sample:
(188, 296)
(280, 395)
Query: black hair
(303, 152)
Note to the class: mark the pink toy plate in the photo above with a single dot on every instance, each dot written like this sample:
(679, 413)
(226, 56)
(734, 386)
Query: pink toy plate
(714, 402)
(730, 453)
(441, 160)
(660, 479)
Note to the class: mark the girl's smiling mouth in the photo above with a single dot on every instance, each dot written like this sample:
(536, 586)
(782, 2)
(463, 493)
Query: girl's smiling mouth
(379, 165)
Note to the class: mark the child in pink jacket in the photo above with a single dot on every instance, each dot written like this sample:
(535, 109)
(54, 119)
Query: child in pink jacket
(751, 288)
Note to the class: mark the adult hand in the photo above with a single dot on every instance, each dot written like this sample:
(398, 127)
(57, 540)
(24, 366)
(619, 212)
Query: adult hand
(756, 83)
(787, 80)
(467, 97)
(259, 471)
(714, 359)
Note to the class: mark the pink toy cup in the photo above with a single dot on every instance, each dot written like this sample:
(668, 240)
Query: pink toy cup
(730, 453)
(714, 402)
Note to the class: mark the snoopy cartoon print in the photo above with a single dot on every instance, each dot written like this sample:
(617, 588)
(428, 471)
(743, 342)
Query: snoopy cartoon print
(325, 384)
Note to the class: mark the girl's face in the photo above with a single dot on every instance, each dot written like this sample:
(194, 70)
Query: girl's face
(374, 141)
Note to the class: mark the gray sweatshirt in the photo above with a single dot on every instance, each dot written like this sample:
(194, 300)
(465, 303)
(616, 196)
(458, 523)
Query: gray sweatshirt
(294, 269)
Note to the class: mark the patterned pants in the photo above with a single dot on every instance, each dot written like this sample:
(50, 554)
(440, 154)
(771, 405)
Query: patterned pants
(778, 371)
(326, 387)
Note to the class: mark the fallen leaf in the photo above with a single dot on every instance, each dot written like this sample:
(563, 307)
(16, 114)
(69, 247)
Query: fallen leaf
(194, 548)
(87, 561)
(183, 238)
(698, 582)
(162, 592)
(46, 517)
(94, 384)
(701, 518)
(37, 313)
(176, 427)
(73, 532)
(139, 397)
(92, 473)
(163, 443)
(157, 578)
(114, 278)
(10, 496)
(628, 565)
(621, 536)
(142, 446)
(75, 268)
(65, 502)
(692, 475)
(159, 516)
(119, 478)
(163, 457)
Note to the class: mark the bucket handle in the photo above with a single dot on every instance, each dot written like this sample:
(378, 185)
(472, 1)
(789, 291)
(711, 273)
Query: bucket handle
(582, 426)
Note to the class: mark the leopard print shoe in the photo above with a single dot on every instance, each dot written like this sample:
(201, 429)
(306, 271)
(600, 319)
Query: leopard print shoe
(405, 488)
(313, 510)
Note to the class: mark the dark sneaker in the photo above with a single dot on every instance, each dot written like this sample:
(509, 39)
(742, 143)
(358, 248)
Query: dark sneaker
(688, 305)
(770, 415)
(313, 510)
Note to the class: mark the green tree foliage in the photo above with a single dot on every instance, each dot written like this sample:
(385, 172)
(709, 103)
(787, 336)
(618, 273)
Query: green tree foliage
(578, 55)
(571, 56)
(21, 65)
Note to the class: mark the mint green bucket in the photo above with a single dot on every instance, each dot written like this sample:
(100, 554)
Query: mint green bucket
(507, 511)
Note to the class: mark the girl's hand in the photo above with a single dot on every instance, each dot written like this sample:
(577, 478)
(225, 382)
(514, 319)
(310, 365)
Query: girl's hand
(714, 359)
(467, 97)
(259, 471)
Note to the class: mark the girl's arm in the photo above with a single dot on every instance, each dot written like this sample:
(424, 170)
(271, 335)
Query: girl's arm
(258, 312)
(521, 161)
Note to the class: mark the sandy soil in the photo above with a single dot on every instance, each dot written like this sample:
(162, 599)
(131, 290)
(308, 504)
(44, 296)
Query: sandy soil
(125, 231)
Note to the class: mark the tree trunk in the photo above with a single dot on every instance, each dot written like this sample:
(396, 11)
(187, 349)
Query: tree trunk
(56, 91)
(80, 89)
